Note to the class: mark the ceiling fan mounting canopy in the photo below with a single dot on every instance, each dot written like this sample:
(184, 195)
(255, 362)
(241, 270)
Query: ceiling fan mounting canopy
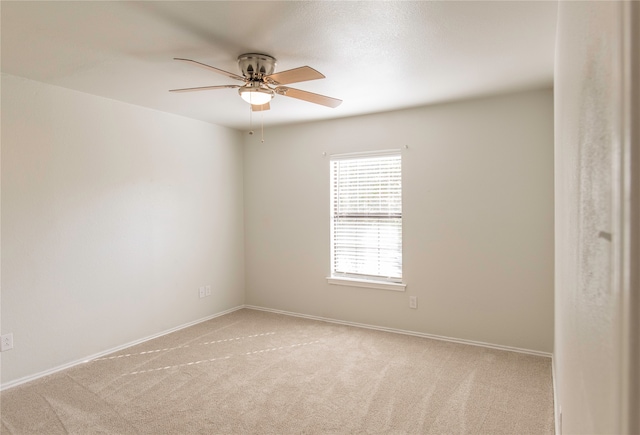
(255, 66)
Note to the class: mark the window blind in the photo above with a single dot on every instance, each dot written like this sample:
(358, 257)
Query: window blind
(366, 225)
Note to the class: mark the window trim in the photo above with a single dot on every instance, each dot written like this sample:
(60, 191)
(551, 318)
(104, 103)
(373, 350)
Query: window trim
(367, 283)
(361, 154)
(345, 279)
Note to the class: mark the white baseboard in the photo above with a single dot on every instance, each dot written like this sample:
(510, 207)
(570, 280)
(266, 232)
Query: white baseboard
(405, 332)
(51, 371)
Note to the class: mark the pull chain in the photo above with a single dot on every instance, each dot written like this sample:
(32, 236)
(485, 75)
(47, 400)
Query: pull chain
(261, 122)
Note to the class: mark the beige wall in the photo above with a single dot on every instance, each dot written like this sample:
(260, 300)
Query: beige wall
(587, 99)
(112, 217)
(478, 219)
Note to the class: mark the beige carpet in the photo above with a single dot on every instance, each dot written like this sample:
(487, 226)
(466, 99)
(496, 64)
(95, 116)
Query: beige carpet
(263, 373)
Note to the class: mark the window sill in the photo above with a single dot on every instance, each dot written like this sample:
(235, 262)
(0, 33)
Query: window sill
(379, 285)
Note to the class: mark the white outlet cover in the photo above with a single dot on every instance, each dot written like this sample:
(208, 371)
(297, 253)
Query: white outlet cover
(202, 292)
(208, 290)
(6, 342)
(413, 302)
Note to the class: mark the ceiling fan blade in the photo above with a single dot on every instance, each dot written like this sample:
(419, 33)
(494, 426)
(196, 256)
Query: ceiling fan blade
(296, 75)
(308, 96)
(204, 88)
(213, 68)
(262, 108)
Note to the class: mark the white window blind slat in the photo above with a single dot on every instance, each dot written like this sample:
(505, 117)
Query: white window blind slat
(366, 223)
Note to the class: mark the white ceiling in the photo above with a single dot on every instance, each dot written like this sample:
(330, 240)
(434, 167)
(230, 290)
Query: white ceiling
(376, 56)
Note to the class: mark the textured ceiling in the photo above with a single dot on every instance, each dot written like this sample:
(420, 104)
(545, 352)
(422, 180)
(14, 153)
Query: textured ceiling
(376, 56)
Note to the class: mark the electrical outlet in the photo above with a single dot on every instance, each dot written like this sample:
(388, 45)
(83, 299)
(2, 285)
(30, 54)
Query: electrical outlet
(202, 292)
(208, 290)
(6, 342)
(413, 301)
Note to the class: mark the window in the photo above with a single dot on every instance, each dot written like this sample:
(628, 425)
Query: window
(366, 219)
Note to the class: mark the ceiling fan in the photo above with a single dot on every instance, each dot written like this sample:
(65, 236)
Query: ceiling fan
(261, 82)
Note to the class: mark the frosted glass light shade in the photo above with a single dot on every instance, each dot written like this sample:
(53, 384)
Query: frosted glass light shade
(256, 97)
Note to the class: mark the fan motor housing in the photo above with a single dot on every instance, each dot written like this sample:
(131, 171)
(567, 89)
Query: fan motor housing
(254, 66)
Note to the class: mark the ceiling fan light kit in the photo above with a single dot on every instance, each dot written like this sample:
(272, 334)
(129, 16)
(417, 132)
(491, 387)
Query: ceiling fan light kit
(256, 96)
(262, 83)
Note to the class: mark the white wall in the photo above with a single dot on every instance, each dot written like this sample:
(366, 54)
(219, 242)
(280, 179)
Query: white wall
(112, 217)
(588, 318)
(478, 219)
